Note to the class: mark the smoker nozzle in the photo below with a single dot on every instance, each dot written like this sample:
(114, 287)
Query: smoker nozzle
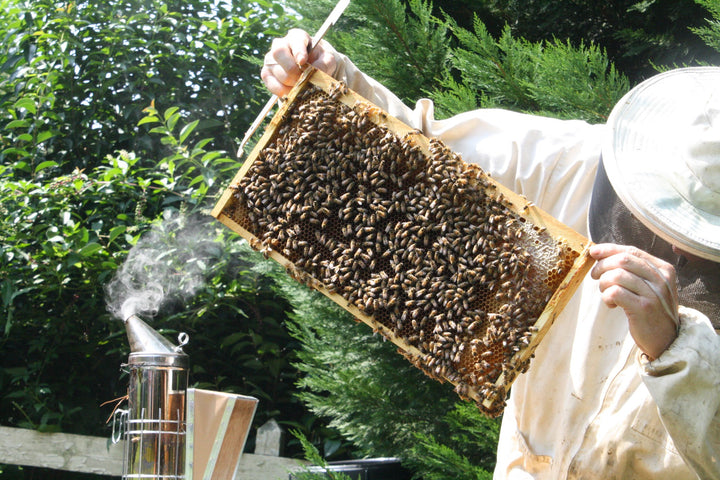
(143, 339)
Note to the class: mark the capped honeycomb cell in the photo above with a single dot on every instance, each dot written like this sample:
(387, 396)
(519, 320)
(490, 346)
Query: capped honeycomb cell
(461, 273)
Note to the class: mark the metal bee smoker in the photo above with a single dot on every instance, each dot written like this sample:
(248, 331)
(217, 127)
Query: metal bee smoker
(153, 426)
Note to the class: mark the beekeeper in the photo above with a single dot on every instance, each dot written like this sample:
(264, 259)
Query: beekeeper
(626, 384)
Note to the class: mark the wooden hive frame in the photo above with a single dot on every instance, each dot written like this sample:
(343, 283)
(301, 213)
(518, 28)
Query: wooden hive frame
(534, 263)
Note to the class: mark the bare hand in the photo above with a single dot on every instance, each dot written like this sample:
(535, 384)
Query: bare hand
(287, 58)
(645, 288)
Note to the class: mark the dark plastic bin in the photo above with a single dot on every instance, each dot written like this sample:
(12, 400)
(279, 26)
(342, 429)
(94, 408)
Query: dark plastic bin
(365, 469)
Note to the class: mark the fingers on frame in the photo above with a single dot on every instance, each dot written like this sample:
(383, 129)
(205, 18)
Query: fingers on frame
(322, 59)
(298, 42)
(281, 53)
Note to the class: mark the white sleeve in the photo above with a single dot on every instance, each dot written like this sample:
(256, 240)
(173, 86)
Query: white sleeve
(551, 162)
(685, 384)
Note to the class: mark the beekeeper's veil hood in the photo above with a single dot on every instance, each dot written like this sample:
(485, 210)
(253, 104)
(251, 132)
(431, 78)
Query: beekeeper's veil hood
(659, 180)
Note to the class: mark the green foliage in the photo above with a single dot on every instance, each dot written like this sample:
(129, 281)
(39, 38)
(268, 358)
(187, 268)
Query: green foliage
(62, 237)
(467, 452)
(313, 456)
(70, 233)
(90, 167)
(637, 35)
(524, 76)
(710, 32)
(413, 53)
(408, 49)
(91, 67)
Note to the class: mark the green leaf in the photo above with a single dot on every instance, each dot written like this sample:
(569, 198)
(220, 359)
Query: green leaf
(16, 372)
(20, 152)
(161, 129)
(196, 180)
(46, 164)
(187, 130)
(115, 232)
(90, 249)
(45, 135)
(201, 144)
(148, 119)
(49, 428)
(232, 338)
(172, 121)
(210, 156)
(18, 124)
(210, 123)
(170, 112)
(9, 292)
(26, 103)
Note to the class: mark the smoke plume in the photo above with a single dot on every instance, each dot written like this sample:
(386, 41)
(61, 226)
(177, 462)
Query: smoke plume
(166, 267)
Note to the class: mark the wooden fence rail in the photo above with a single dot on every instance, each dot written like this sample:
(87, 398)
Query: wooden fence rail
(86, 454)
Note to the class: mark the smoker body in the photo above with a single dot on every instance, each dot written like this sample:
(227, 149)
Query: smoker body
(154, 424)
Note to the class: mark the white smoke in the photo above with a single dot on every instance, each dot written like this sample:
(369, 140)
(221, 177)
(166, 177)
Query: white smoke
(169, 264)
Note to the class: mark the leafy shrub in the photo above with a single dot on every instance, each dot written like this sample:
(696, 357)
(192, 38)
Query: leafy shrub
(90, 167)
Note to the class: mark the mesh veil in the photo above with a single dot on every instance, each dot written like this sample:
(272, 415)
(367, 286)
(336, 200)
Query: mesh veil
(611, 222)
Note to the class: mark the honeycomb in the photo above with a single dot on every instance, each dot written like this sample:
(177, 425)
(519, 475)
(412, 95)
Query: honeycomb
(459, 272)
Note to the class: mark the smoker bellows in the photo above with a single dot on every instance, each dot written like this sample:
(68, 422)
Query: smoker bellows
(458, 271)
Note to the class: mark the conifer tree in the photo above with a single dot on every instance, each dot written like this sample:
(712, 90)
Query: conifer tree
(524, 76)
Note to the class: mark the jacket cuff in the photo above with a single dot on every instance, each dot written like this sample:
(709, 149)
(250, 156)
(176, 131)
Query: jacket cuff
(696, 340)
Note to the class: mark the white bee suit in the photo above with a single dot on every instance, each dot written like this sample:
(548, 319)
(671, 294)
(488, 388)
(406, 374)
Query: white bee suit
(590, 406)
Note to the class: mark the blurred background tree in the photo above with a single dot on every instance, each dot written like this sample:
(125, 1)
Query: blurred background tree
(121, 118)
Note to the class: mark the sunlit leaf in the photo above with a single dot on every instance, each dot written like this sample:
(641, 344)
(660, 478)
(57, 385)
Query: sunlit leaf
(115, 232)
(27, 104)
(46, 164)
(148, 119)
(18, 124)
(90, 249)
(187, 130)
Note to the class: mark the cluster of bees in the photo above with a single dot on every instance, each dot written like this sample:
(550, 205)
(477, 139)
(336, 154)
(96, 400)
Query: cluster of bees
(412, 239)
